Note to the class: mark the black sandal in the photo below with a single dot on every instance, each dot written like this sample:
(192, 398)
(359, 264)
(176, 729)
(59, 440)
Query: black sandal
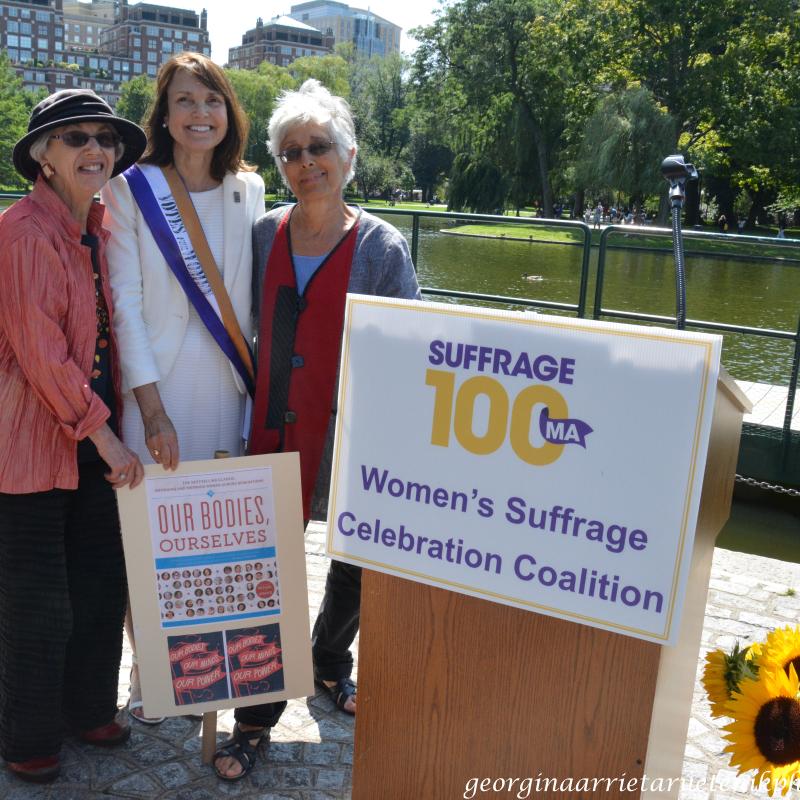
(240, 747)
(340, 692)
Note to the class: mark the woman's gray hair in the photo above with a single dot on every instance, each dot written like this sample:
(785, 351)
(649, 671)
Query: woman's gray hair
(37, 150)
(312, 102)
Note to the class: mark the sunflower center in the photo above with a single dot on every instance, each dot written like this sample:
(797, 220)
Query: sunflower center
(777, 730)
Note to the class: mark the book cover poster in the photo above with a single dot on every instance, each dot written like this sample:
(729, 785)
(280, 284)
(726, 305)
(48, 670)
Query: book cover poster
(216, 567)
(254, 660)
(198, 666)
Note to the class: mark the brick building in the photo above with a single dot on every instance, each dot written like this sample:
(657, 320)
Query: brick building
(48, 41)
(280, 42)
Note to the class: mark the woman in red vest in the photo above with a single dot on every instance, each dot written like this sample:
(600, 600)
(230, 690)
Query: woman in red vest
(306, 258)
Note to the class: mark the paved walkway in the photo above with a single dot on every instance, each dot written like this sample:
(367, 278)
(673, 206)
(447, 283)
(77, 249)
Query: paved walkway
(312, 750)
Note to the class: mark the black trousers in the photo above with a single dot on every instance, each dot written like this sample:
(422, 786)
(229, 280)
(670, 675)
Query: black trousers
(62, 602)
(334, 631)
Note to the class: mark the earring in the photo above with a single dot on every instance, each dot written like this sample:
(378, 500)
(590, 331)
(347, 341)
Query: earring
(48, 170)
(164, 124)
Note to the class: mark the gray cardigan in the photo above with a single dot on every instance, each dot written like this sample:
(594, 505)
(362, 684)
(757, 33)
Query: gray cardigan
(381, 266)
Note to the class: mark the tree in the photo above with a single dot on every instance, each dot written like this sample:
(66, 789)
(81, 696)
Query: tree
(529, 65)
(331, 71)
(135, 99)
(626, 139)
(14, 111)
(257, 90)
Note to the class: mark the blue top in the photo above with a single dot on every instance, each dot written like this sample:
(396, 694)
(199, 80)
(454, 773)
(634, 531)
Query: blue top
(304, 269)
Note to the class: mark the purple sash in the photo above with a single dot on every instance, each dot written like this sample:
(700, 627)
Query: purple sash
(155, 211)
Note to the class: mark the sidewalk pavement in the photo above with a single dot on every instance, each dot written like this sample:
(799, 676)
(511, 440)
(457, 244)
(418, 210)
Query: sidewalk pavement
(312, 749)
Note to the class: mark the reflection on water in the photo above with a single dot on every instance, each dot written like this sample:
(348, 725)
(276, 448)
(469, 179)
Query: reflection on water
(752, 293)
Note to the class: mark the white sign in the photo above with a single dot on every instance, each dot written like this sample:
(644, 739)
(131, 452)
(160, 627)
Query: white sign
(218, 584)
(547, 463)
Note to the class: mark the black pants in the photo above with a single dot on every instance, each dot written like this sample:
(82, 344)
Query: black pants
(62, 602)
(334, 631)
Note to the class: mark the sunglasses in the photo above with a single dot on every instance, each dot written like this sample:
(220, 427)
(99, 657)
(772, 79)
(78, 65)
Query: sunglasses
(108, 140)
(315, 149)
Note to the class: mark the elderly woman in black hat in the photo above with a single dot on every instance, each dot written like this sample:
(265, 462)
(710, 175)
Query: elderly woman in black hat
(62, 579)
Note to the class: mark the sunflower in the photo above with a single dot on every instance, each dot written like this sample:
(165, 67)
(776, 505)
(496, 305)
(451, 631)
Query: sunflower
(782, 648)
(765, 732)
(724, 672)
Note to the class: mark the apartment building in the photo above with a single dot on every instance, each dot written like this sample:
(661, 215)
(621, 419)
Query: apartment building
(370, 34)
(83, 22)
(48, 41)
(280, 42)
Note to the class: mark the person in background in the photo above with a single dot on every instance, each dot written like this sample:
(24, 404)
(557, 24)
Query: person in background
(186, 364)
(306, 258)
(62, 574)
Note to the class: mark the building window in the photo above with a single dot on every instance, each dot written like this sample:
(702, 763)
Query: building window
(43, 16)
(12, 12)
(137, 41)
(137, 55)
(25, 41)
(12, 26)
(59, 33)
(193, 37)
(151, 57)
(166, 47)
(12, 40)
(92, 63)
(137, 69)
(25, 27)
(58, 47)
(151, 69)
(13, 54)
(42, 44)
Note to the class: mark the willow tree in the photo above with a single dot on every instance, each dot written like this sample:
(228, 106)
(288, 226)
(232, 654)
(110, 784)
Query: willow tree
(626, 139)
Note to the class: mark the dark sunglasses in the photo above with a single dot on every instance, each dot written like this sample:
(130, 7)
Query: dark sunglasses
(315, 149)
(108, 140)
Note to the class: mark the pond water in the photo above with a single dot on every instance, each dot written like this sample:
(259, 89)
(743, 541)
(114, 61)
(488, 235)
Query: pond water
(739, 292)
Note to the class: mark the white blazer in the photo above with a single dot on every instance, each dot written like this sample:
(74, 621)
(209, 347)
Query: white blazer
(151, 309)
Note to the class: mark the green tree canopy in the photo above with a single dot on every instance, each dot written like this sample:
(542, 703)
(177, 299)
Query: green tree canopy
(136, 98)
(14, 112)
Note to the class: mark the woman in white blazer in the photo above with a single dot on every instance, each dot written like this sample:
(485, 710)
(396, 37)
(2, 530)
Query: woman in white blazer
(183, 399)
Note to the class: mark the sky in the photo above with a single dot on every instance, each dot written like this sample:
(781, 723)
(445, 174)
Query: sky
(226, 27)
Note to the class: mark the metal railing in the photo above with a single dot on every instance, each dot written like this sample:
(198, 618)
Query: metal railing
(783, 463)
(579, 307)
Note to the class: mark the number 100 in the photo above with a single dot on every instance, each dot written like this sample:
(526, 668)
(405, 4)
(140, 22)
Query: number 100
(500, 408)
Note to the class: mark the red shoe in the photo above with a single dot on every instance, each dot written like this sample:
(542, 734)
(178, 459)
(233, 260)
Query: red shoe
(109, 735)
(36, 770)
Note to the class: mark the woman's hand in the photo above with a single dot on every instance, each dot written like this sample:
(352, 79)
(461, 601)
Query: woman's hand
(159, 432)
(126, 469)
(162, 441)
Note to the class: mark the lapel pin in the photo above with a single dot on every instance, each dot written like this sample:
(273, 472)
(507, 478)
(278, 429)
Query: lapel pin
(237, 198)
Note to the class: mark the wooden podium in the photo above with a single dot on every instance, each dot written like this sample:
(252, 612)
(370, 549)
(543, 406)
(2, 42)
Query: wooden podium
(453, 688)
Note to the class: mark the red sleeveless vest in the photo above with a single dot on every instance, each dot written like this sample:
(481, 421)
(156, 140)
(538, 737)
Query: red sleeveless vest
(299, 342)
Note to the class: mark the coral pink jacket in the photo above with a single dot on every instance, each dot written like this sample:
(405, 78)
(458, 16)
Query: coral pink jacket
(48, 331)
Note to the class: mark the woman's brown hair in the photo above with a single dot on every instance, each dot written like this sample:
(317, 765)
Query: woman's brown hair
(228, 153)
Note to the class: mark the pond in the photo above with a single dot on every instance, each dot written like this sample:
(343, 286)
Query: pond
(734, 290)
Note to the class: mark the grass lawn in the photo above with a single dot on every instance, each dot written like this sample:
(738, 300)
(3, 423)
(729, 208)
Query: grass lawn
(622, 239)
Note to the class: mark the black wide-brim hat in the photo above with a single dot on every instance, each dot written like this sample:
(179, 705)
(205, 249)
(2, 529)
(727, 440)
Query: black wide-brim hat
(68, 107)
